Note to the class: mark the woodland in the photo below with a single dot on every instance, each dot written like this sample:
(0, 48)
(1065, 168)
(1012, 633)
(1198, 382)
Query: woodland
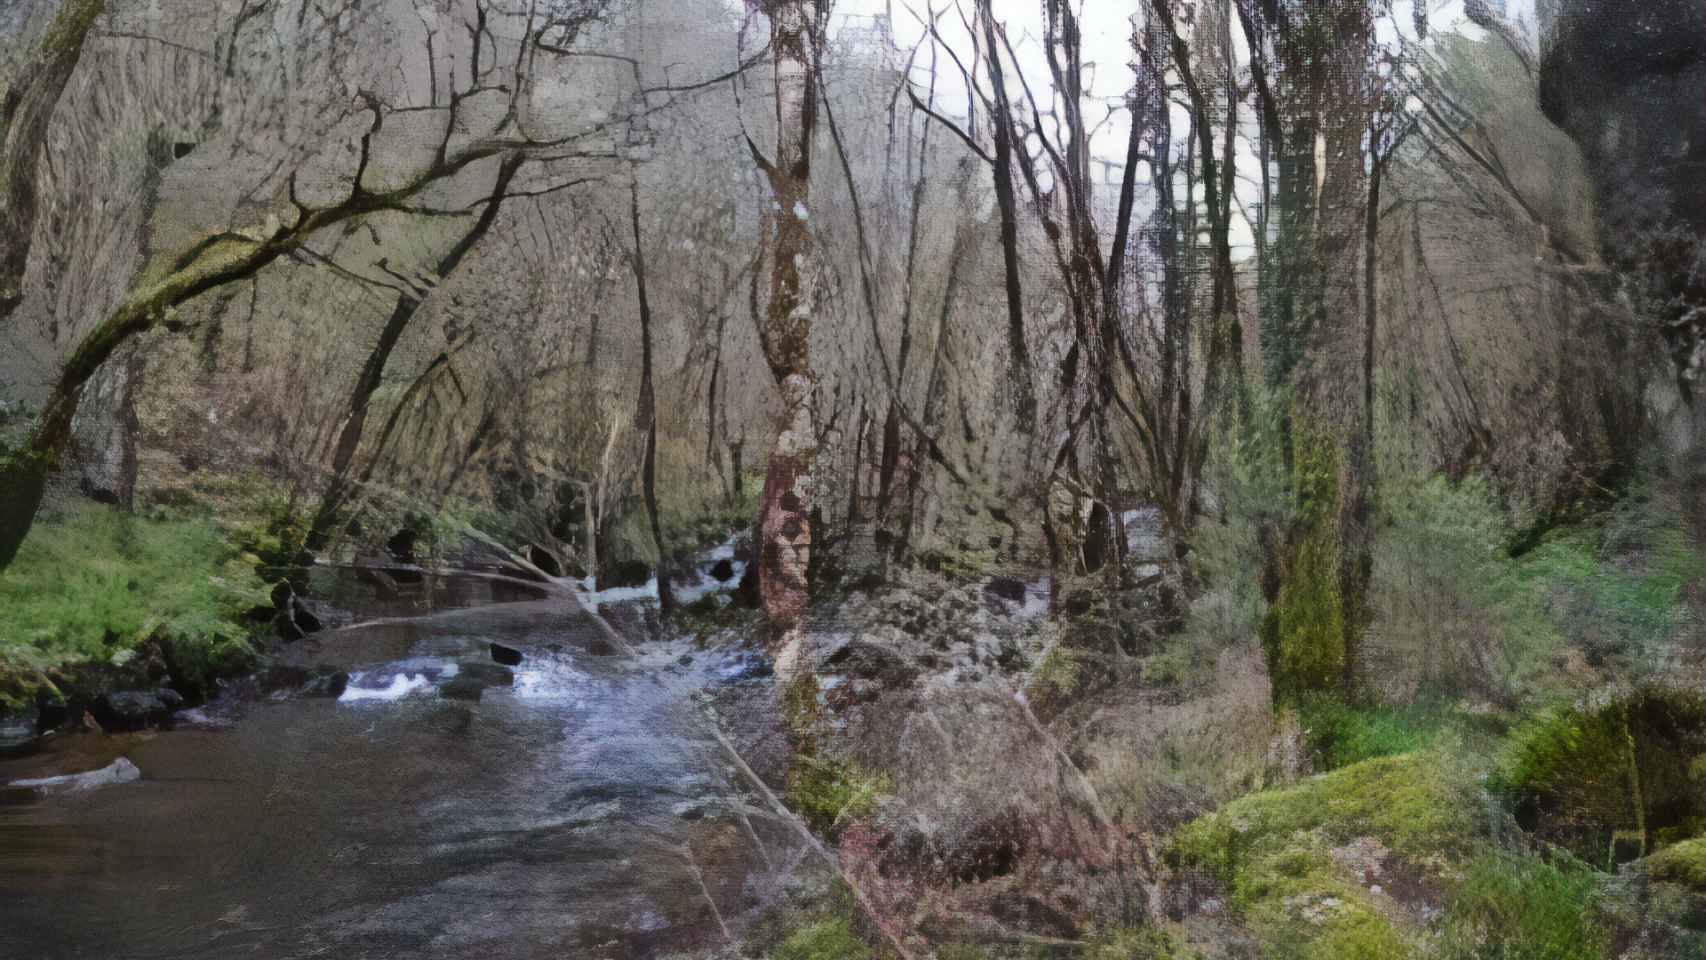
(853, 479)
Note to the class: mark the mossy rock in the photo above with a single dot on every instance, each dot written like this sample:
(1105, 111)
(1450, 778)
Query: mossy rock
(1421, 806)
(1682, 863)
(823, 940)
(1281, 854)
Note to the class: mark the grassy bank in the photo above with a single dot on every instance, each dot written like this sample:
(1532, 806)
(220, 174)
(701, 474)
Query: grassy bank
(95, 585)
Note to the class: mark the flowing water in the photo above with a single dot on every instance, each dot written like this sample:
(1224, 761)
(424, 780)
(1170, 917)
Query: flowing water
(586, 808)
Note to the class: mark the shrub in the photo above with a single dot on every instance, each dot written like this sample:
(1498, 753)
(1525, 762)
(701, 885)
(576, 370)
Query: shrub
(1436, 629)
(1630, 773)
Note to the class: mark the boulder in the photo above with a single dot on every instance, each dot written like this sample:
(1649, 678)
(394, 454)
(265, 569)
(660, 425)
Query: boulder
(137, 709)
(305, 619)
(508, 656)
(723, 570)
(402, 545)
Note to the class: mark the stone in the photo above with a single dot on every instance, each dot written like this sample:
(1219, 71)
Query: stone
(723, 570)
(285, 626)
(137, 709)
(462, 688)
(508, 656)
(484, 673)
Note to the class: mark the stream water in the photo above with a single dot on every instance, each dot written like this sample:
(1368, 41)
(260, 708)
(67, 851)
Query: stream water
(582, 807)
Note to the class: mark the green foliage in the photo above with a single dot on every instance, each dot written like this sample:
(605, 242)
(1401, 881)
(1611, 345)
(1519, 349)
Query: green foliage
(1681, 863)
(821, 915)
(92, 582)
(823, 940)
(829, 793)
(1438, 630)
(1339, 734)
(1520, 908)
(1590, 778)
(1246, 469)
(1454, 613)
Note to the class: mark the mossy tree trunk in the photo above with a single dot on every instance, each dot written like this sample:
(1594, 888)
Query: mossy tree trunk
(1320, 572)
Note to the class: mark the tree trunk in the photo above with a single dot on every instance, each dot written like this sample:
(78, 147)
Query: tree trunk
(1320, 612)
(648, 414)
(785, 532)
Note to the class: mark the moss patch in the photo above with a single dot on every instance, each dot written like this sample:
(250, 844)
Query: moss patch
(1681, 863)
(1282, 854)
(1339, 734)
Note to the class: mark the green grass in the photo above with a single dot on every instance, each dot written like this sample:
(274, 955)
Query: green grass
(92, 582)
(1339, 734)
(1519, 908)
(831, 939)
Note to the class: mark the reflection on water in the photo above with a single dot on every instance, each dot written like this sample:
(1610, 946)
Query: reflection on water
(581, 807)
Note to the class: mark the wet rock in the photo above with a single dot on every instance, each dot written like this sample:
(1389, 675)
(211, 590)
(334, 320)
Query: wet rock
(462, 688)
(137, 709)
(330, 684)
(723, 570)
(304, 618)
(322, 680)
(119, 771)
(508, 656)
(285, 626)
(483, 673)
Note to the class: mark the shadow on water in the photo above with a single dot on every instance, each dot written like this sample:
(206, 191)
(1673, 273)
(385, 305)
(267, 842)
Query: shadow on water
(576, 804)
